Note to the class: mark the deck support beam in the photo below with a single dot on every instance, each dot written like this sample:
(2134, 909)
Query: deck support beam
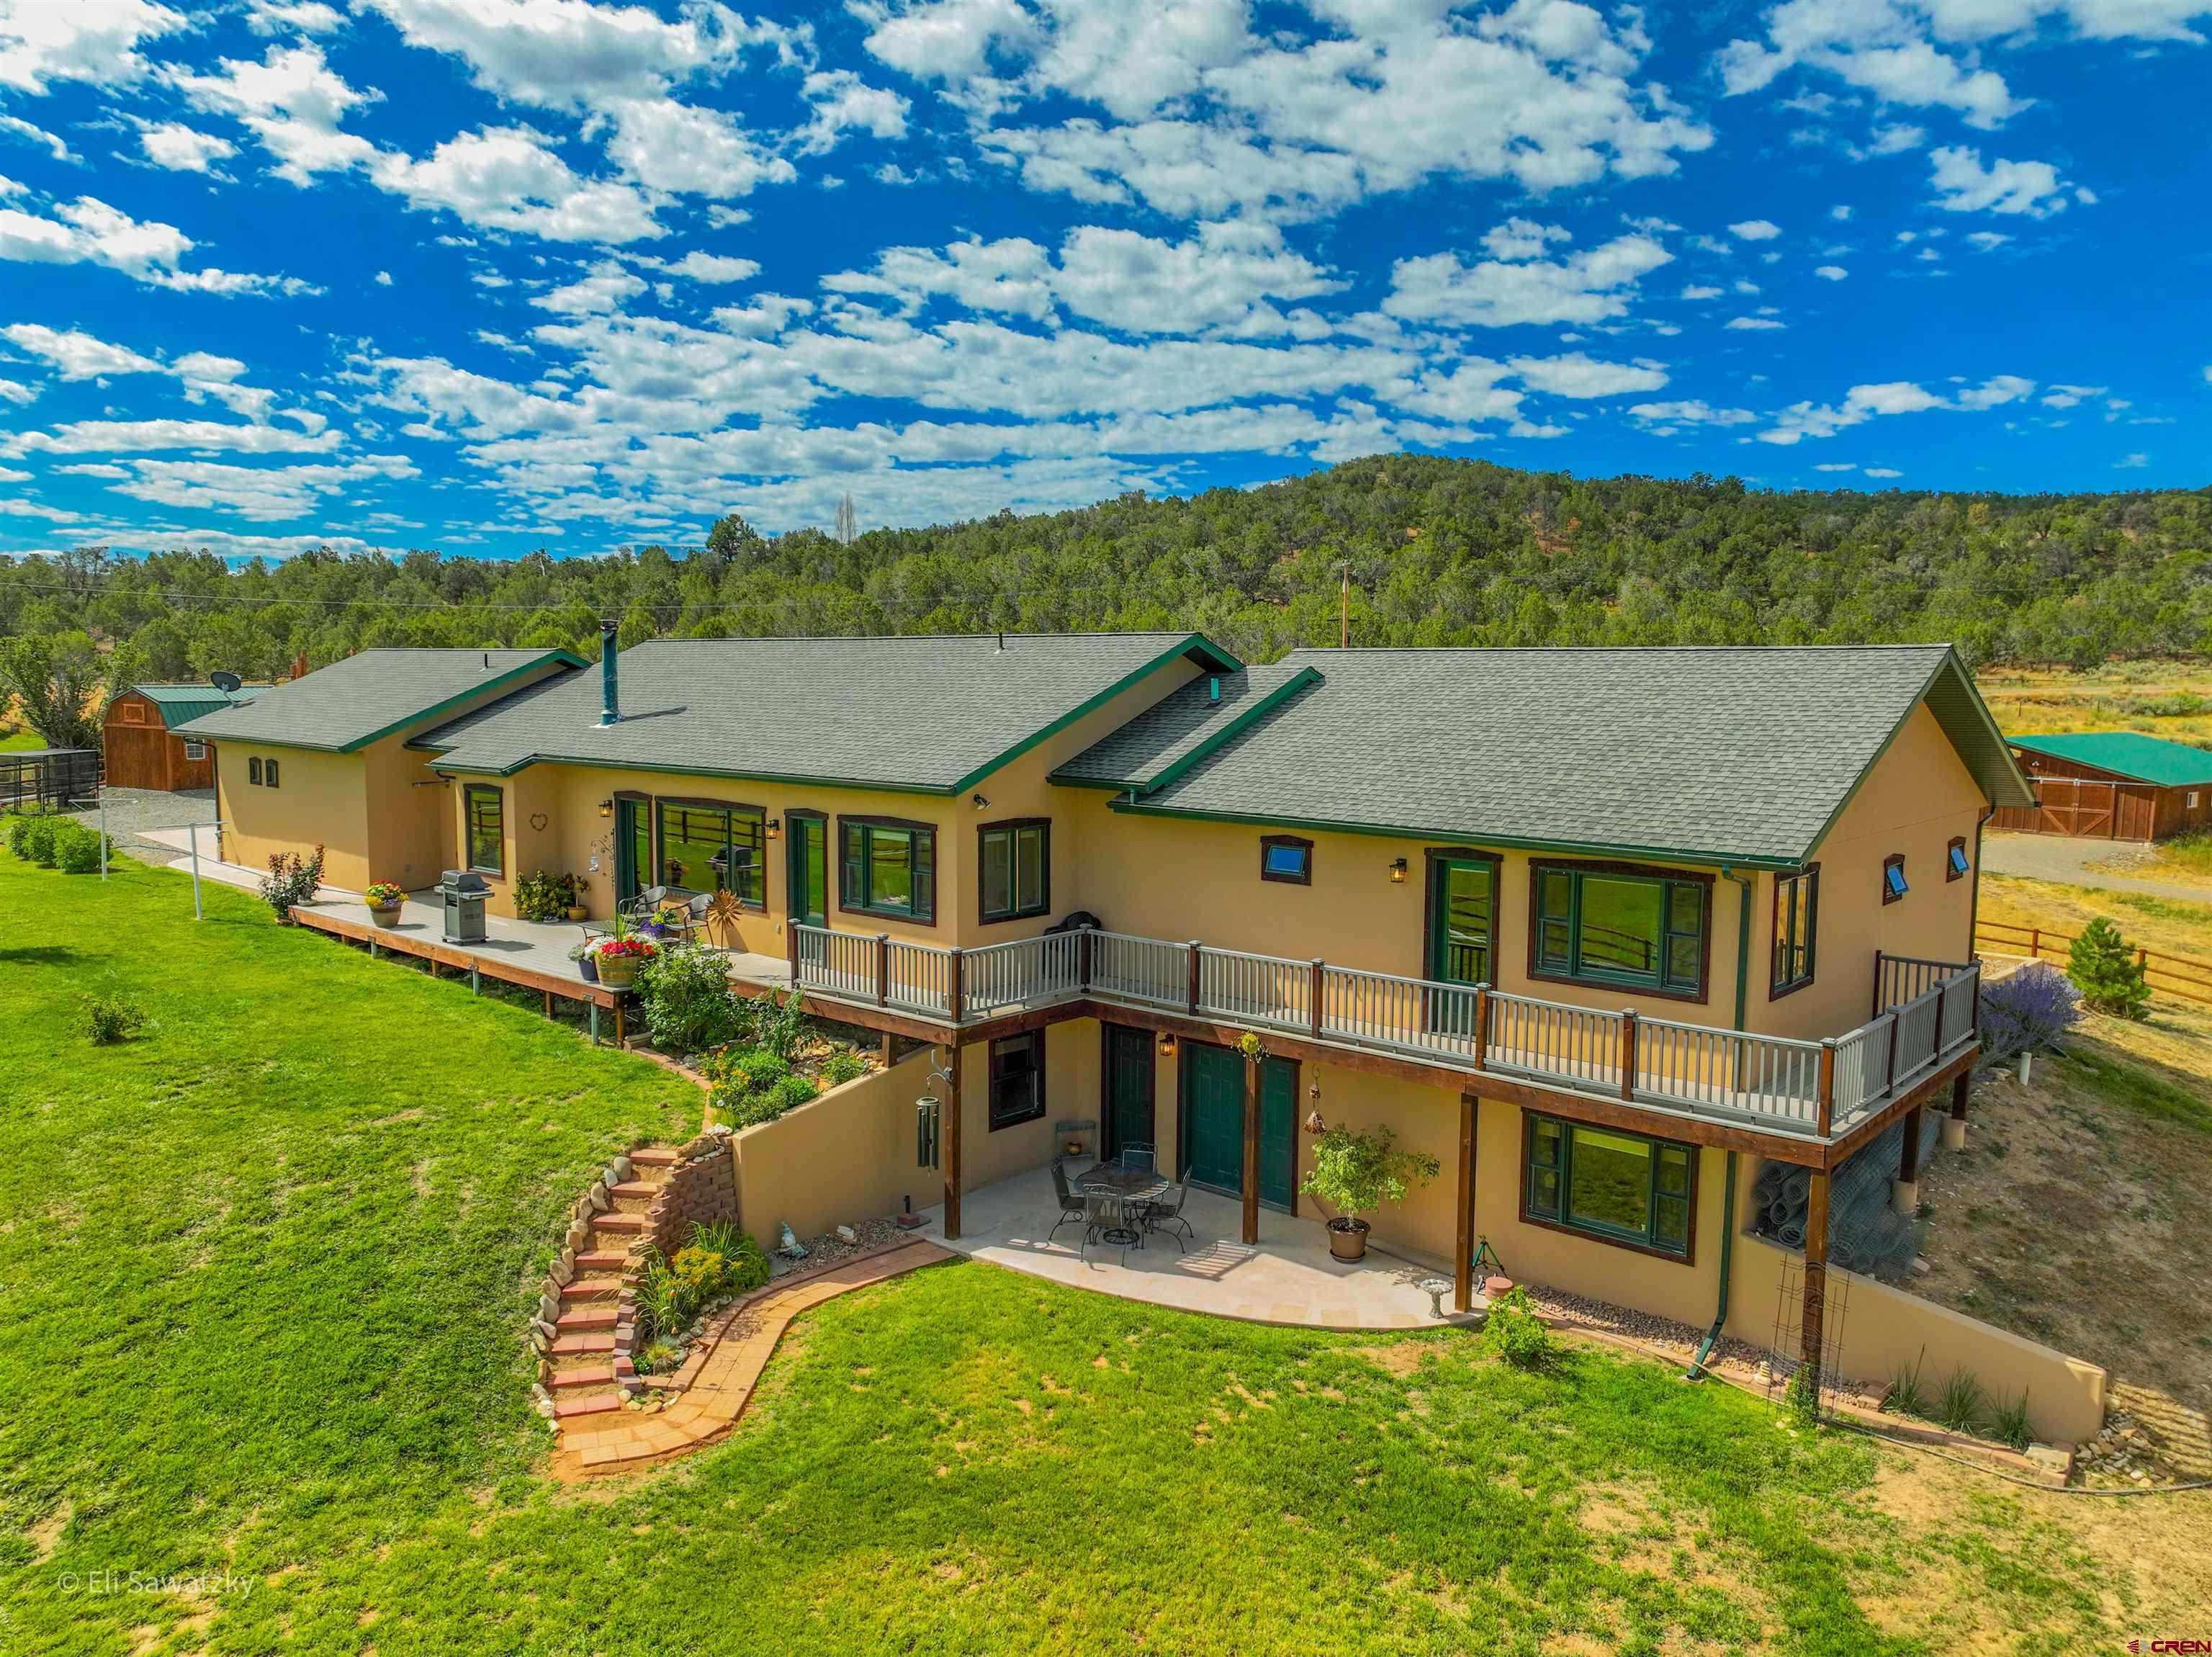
(952, 1141)
(1251, 1151)
(1954, 1125)
(1812, 1327)
(1904, 1190)
(1470, 1113)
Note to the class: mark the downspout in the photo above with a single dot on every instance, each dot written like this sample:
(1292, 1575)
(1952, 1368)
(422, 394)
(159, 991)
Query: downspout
(1743, 883)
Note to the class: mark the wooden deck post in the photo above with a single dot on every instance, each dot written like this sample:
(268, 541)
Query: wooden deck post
(953, 988)
(548, 994)
(1251, 1151)
(1954, 1124)
(1083, 947)
(1194, 958)
(622, 1036)
(951, 1140)
(791, 947)
(1628, 1052)
(882, 969)
(1825, 1107)
(1904, 1194)
(1470, 1111)
(888, 1038)
(1874, 1010)
(1481, 1025)
(1813, 1320)
(1318, 978)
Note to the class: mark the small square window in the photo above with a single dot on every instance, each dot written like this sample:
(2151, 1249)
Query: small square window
(195, 750)
(1286, 858)
(268, 772)
(253, 772)
(1893, 880)
(1956, 866)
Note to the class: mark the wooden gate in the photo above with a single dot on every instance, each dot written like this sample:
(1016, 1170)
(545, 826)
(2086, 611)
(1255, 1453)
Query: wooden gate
(2075, 806)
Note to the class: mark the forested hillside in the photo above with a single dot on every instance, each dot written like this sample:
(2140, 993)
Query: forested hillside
(1440, 552)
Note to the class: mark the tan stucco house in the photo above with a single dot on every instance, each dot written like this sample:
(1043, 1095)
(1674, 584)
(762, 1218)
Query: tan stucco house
(1605, 931)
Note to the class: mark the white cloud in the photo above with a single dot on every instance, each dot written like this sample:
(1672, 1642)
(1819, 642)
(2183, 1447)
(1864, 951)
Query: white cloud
(1521, 239)
(1591, 286)
(695, 267)
(1837, 466)
(1666, 418)
(1883, 472)
(1831, 272)
(1579, 376)
(603, 289)
(1987, 241)
(90, 231)
(2131, 462)
(42, 41)
(205, 436)
(292, 102)
(1963, 185)
(261, 493)
(1755, 230)
(383, 278)
(1864, 403)
(1840, 212)
(1754, 324)
(182, 148)
(77, 355)
(1695, 292)
(282, 16)
(15, 392)
(2066, 397)
(844, 103)
(509, 179)
(683, 150)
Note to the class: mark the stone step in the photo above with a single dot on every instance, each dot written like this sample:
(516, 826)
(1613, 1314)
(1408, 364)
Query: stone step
(575, 1346)
(597, 1288)
(589, 1316)
(569, 1409)
(653, 1156)
(624, 1222)
(602, 1260)
(571, 1380)
(644, 1188)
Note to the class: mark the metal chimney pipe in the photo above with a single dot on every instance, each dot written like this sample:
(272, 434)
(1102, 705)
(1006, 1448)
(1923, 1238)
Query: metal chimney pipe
(611, 704)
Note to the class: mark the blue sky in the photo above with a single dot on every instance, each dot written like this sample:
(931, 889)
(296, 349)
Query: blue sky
(489, 275)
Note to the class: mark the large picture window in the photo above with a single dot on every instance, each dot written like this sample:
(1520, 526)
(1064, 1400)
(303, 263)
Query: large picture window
(888, 867)
(1615, 924)
(486, 811)
(1016, 868)
(1017, 1079)
(1796, 925)
(1622, 1187)
(708, 846)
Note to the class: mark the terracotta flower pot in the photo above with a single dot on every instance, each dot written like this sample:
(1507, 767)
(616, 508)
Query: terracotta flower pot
(387, 916)
(1348, 1239)
(578, 912)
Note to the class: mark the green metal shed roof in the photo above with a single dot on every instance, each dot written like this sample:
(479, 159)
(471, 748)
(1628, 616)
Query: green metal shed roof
(179, 702)
(2128, 753)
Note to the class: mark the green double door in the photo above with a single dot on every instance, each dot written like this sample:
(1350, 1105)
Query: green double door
(1129, 1076)
(1213, 1122)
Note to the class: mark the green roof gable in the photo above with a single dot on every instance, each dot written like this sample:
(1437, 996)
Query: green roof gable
(2128, 753)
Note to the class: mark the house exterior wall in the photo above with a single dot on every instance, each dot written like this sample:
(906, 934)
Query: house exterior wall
(1918, 797)
(320, 799)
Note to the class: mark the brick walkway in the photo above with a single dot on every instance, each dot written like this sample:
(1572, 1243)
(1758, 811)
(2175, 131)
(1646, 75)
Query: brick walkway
(714, 1401)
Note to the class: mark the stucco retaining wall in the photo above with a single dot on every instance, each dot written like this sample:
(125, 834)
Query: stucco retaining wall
(846, 1157)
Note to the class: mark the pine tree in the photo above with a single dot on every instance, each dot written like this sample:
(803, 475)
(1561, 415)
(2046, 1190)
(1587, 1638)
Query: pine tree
(2107, 972)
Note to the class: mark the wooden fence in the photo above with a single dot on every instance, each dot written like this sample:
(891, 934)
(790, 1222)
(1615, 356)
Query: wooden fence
(2176, 975)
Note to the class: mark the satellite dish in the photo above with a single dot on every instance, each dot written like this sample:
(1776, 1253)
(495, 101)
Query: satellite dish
(225, 682)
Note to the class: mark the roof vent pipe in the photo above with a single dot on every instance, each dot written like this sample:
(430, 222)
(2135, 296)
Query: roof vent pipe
(610, 702)
(1002, 640)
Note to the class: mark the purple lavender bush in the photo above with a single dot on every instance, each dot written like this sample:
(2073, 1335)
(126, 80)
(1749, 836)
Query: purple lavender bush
(2031, 1010)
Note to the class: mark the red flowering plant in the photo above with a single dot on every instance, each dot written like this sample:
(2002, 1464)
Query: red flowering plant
(382, 894)
(632, 948)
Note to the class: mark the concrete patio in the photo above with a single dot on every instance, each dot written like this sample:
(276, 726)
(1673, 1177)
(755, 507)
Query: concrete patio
(1290, 1277)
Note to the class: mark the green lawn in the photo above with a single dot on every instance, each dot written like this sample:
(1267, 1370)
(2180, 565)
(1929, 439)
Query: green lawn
(261, 1277)
(21, 742)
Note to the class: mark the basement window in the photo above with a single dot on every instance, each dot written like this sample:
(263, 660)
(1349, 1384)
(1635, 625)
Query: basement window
(1624, 1188)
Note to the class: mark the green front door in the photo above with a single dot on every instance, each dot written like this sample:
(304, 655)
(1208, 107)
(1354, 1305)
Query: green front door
(1128, 1088)
(1213, 1122)
(633, 846)
(1462, 909)
(808, 862)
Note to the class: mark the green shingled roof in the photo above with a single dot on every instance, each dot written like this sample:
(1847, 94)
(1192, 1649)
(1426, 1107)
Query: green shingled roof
(181, 702)
(350, 703)
(1743, 755)
(921, 713)
(2128, 753)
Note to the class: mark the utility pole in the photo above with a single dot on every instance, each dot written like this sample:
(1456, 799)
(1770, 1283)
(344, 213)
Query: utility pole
(1344, 609)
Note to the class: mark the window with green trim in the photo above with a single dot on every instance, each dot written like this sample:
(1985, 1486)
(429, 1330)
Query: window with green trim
(1016, 1079)
(1599, 925)
(1017, 869)
(1622, 1187)
(1796, 922)
(486, 811)
(888, 868)
(706, 847)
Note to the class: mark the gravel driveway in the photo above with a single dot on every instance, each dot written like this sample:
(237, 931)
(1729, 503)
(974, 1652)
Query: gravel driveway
(2066, 860)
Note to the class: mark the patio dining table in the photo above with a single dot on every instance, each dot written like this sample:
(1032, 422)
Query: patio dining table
(1130, 1189)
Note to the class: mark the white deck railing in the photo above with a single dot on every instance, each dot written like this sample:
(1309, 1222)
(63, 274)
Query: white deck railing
(1817, 1088)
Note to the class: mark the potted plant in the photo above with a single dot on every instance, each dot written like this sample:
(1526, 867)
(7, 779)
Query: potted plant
(586, 960)
(572, 892)
(384, 899)
(618, 960)
(1356, 1173)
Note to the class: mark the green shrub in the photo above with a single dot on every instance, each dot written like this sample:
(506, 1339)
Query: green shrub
(1515, 1333)
(779, 1026)
(2106, 970)
(842, 1067)
(684, 992)
(1963, 1406)
(39, 839)
(541, 897)
(112, 1018)
(2008, 1424)
(1907, 1397)
(76, 848)
(720, 1263)
(1801, 1398)
(747, 1261)
(793, 1091)
(291, 879)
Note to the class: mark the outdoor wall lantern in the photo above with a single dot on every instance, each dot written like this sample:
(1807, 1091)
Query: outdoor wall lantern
(1167, 1043)
(774, 827)
(981, 804)
(1398, 871)
(606, 808)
